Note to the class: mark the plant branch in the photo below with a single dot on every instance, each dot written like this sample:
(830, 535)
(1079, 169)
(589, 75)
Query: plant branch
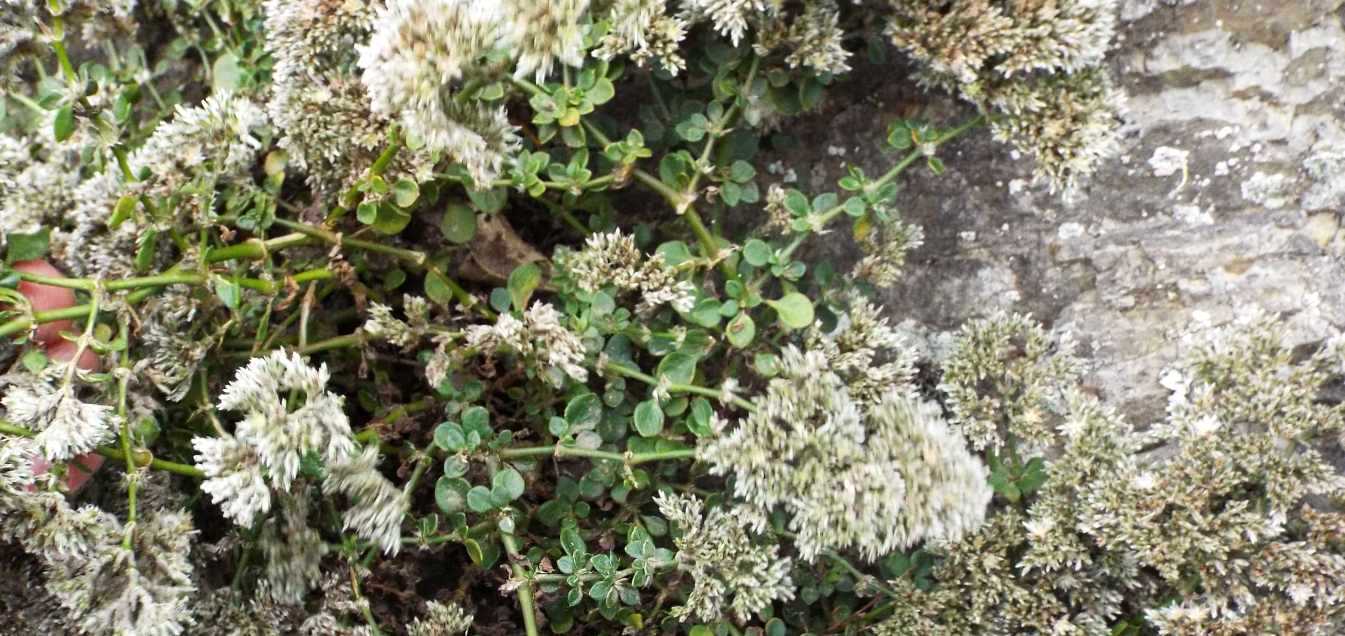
(524, 591)
(142, 459)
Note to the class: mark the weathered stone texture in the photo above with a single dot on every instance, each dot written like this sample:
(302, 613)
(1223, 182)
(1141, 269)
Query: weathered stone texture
(1227, 195)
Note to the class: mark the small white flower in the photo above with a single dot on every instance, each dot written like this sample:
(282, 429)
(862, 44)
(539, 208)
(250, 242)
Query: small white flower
(234, 478)
(282, 433)
(377, 506)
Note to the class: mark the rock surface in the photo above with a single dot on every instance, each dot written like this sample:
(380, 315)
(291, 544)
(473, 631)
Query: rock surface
(1226, 197)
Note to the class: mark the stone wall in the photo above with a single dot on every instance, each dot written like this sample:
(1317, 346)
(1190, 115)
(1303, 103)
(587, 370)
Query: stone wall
(1226, 197)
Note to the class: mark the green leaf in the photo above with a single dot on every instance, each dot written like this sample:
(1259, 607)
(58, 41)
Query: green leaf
(489, 201)
(899, 136)
(757, 252)
(648, 418)
(935, 165)
(459, 223)
(367, 213)
(64, 124)
(796, 311)
(741, 330)
(27, 247)
(476, 418)
(508, 481)
(584, 411)
(390, 220)
(455, 466)
(479, 499)
(678, 367)
(438, 290)
(474, 551)
(797, 203)
(523, 281)
(701, 413)
(602, 92)
(124, 209)
(450, 437)
(855, 206)
(447, 496)
(34, 360)
(229, 293)
(572, 542)
(558, 427)
(144, 254)
(405, 192)
(226, 75)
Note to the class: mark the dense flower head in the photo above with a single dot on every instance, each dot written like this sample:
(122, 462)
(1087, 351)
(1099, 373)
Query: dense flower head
(441, 619)
(1035, 62)
(417, 54)
(845, 474)
(646, 31)
(1001, 379)
(732, 573)
(885, 248)
(613, 260)
(544, 32)
(281, 432)
(234, 478)
(812, 39)
(50, 405)
(1116, 527)
(142, 588)
(729, 17)
(864, 350)
(378, 506)
(217, 141)
(539, 337)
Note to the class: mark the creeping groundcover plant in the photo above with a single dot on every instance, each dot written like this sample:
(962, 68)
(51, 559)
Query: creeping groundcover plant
(490, 316)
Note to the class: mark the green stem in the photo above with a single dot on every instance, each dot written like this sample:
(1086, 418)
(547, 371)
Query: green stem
(679, 388)
(142, 459)
(630, 459)
(132, 481)
(910, 158)
(524, 591)
(147, 285)
(351, 197)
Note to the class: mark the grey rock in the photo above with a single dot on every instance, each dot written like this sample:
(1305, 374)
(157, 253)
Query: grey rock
(1226, 198)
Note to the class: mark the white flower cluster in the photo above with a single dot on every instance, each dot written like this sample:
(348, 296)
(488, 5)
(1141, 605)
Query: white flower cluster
(382, 325)
(846, 475)
(171, 355)
(1037, 63)
(256, 469)
(441, 620)
(380, 506)
(731, 572)
(540, 338)
(33, 190)
(1116, 530)
(613, 260)
(542, 32)
(140, 589)
(885, 247)
(417, 52)
(872, 357)
(1001, 379)
(215, 141)
(813, 38)
(646, 31)
(281, 432)
(729, 17)
(109, 588)
(65, 425)
(318, 104)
